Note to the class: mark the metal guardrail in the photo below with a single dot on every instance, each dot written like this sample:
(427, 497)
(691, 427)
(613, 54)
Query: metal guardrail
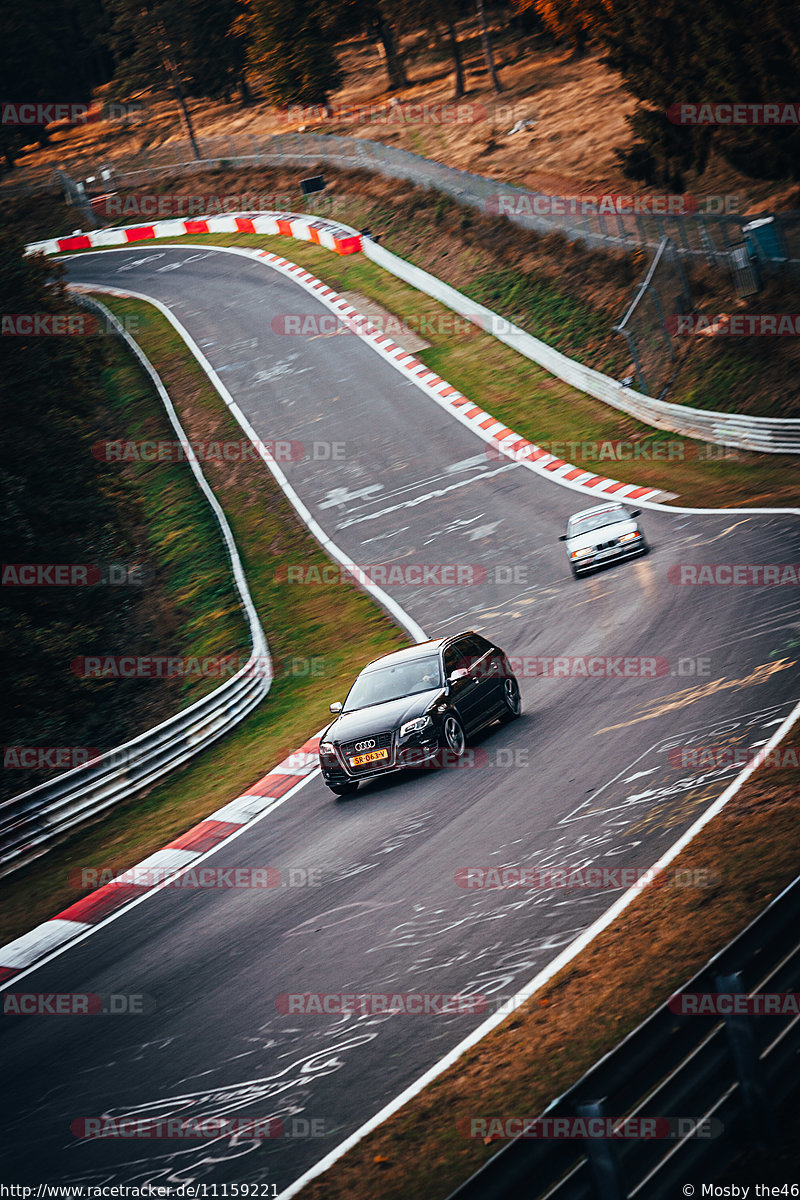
(726, 1077)
(695, 235)
(772, 435)
(31, 821)
(690, 235)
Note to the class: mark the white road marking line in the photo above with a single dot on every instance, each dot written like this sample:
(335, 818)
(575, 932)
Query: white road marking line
(484, 531)
(434, 495)
(337, 497)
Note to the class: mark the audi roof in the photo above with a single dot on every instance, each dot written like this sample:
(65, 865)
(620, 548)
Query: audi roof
(419, 650)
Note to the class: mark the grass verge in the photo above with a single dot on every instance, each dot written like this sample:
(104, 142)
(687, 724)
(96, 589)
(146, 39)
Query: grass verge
(568, 295)
(319, 637)
(751, 850)
(183, 537)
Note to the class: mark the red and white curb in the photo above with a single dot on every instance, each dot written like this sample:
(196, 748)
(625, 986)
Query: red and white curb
(164, 866)
(305, 228)
(507, 443)
(80, 918)
(342, 240)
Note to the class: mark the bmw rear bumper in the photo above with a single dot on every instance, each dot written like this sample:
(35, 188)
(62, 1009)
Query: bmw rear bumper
(584, 565)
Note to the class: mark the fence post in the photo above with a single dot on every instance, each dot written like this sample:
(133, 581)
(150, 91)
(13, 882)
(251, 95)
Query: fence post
(741, 1038)
(637, 366)
(602, 1159)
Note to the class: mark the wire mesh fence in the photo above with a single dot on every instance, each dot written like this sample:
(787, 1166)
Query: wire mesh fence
(650, 324)
(612, 226)
(746, 249)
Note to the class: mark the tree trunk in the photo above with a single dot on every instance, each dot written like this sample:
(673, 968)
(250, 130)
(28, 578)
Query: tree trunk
(245, 94)
(578, 46)
(487, 46)
(169, 62)
(392, 61)
(187, 120)
(455, 50)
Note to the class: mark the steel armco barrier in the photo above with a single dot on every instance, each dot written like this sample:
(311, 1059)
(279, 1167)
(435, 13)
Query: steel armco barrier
(30, 821)
(697, 235)
(734, 1071)
(767, 435)
(771, 435)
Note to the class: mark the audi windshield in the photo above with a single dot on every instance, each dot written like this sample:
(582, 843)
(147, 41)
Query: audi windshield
(393, 683)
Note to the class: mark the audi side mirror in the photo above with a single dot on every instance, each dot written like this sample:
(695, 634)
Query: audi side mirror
(459, 673)
(335, 707)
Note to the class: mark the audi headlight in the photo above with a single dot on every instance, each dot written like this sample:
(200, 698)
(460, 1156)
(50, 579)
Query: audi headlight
(582, 553)
(415, 726)
(326, 748)
(630, 537)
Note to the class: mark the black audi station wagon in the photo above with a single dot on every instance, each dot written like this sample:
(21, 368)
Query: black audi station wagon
(407, 708)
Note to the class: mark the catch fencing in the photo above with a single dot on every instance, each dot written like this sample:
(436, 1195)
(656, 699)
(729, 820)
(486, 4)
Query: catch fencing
(709, 236)
(664, 293)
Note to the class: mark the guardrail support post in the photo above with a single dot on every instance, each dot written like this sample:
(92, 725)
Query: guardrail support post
(637, 366)
(741, 1038)
(602, 1160)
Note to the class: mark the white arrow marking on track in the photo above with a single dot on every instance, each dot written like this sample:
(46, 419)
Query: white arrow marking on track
(483, 531)
(639, 774)
(341, 495)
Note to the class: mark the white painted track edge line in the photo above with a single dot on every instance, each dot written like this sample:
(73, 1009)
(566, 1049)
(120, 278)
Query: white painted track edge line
(387, 602)
(544, 976)
(148, 892)
(283, 266)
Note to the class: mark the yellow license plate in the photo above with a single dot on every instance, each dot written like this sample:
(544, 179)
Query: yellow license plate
(372, 756)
